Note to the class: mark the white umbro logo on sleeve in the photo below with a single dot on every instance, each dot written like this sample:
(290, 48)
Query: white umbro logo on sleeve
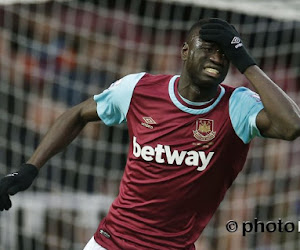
(236, 40)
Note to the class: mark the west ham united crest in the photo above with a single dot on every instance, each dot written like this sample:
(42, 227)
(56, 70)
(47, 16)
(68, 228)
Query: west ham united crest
(204, 130)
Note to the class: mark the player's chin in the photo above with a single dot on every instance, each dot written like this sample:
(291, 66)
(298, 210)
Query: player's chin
(211, 80)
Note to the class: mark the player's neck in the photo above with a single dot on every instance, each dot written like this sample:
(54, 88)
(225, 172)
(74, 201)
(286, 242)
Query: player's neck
(195, 93)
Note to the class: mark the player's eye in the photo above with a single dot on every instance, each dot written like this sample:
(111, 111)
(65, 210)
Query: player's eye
(221, 52)
(207, 49)
(210, 50)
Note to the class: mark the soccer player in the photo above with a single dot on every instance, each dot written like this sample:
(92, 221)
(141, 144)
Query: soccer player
(189, 138)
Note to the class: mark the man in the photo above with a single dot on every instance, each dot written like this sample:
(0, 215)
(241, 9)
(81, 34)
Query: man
(189, 137)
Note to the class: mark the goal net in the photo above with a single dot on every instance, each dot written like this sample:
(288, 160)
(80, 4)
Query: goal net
(55, 54)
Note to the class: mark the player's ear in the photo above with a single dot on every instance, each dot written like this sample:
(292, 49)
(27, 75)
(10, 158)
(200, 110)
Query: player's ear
(184, 51)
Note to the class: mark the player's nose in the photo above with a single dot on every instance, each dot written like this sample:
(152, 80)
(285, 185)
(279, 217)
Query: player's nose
(217, 57)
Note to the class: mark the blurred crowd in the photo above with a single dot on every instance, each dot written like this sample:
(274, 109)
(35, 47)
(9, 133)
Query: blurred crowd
(65, 54)
(61, 55)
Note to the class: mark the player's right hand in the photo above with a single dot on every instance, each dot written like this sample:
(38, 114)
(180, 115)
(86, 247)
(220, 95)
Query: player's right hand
(15, 182)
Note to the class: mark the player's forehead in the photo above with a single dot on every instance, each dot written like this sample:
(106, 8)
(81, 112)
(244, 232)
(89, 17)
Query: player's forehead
(196, 41)
(194, 35)
(195, 28)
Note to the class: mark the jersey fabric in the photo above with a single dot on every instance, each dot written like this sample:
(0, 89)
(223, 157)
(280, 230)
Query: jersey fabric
(183, 156)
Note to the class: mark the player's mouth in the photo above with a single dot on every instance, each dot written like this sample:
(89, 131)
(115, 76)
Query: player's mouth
(212, 72)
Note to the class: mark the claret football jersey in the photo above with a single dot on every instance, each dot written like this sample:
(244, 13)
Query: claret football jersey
(183, 156)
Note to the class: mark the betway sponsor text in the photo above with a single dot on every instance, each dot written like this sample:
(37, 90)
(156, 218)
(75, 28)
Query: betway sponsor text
(163, 154)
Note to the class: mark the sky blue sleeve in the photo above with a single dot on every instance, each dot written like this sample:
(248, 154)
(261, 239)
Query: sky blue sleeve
(113, 103)
(244, 105)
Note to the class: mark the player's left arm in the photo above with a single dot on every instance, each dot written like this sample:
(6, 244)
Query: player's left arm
(280, 117)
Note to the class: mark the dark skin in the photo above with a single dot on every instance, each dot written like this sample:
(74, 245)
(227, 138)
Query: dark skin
(204, 68)
(196, 83)
(280, 117)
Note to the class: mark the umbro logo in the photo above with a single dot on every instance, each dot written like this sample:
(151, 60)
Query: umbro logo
(148, 122)
(236, 40)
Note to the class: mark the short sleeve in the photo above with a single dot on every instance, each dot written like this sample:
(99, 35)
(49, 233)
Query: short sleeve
(244, 106)
(113, 103)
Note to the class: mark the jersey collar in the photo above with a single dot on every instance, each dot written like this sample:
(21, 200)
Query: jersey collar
(192, 107)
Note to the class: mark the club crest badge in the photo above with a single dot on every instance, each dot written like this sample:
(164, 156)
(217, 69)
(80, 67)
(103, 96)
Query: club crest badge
(204, 130)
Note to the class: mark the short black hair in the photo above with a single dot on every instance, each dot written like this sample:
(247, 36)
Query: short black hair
(195, 28)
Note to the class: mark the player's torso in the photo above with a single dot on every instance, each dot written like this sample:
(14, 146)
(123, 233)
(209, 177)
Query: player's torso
(179, 164)
(172, 150)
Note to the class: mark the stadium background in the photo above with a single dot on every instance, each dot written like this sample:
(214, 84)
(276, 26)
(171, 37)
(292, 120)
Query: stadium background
(55, 54)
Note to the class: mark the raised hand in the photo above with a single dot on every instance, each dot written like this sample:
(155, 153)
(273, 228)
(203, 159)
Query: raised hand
(227, 37)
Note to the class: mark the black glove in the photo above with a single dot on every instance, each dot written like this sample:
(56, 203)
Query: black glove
(15, 182)
(227, 37)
